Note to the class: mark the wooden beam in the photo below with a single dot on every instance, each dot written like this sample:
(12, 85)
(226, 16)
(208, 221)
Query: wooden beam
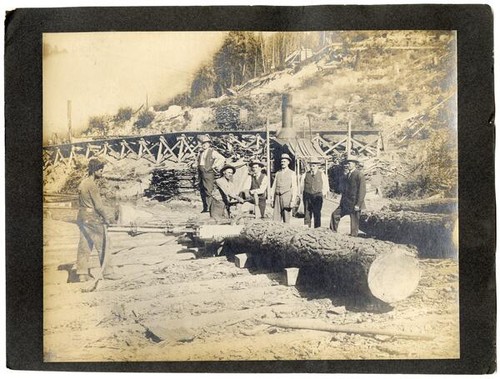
(143, 144)
(168, 150)
(158, 154)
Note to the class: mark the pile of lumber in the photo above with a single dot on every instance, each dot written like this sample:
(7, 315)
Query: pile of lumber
(432, 234)
(167, 183)
(341, 264)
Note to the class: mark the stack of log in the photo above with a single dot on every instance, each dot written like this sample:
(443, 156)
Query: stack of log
(227, 117)
(432, 234)
(168, 183)
(335, 262)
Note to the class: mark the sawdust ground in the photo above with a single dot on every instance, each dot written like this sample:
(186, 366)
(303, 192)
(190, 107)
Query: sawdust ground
(170, 306)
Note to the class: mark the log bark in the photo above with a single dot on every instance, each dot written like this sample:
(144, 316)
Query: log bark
(335, 262)
(427, 205)
(431, 234)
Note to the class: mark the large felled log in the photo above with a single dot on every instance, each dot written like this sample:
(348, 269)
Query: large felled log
(432, 234)
(344, 264)
(426, 205)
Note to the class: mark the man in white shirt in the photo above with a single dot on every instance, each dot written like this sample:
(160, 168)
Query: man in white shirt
(314, 188)
(225, 194)
(209, 162)
(284, 191)
(256, 187)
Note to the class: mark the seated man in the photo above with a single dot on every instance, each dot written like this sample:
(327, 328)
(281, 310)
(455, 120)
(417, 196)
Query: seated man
(225, 194)
(255, 188)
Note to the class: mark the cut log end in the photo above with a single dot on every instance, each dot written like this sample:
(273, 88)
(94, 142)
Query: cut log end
(393, 276)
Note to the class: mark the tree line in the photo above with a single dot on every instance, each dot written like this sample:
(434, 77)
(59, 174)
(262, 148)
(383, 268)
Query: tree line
(244, 56)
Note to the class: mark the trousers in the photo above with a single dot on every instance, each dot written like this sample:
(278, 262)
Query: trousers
(312, 208)
(207, 184)
(282, 212)
(339, 213)
(92, 235)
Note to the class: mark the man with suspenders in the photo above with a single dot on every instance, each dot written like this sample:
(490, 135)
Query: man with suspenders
(209, 161)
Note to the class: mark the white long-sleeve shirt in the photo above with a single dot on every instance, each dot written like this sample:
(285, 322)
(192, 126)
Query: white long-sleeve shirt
(258, 191)
(217, 157)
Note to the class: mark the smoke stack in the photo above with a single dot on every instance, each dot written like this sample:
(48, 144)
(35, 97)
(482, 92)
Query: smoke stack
(287, 131)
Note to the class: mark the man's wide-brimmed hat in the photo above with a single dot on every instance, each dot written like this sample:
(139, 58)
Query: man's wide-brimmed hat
(204, 138)
(227, 166)
(315, 160)
(95, 164)
(286, 156)
(256, 162)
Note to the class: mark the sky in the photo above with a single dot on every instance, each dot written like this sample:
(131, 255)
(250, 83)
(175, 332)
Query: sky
(101, 72)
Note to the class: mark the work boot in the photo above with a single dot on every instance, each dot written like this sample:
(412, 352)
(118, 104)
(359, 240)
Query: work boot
(112, 276)
(83, 278)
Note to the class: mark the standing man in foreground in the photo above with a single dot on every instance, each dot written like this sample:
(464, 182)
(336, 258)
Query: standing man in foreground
(256, 187)
(314, 187)
(353, 198)
(92, 218)
(284, 191)
(209, 161)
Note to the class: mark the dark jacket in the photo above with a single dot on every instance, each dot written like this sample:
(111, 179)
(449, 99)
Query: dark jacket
(353, 192)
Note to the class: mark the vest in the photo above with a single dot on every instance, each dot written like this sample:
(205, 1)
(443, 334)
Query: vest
(208, 163)
(283, 182)
(256, 182)
(313, 184)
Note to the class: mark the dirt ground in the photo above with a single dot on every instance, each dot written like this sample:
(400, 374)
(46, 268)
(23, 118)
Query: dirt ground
(171, 306)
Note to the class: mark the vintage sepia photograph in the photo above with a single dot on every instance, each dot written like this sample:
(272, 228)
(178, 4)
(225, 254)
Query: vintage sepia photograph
(250, 196)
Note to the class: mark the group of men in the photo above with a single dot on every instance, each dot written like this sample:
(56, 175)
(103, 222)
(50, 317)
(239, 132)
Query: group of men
(220, 196)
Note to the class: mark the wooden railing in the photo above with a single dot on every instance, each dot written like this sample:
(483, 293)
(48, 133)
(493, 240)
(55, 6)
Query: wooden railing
(183, 147)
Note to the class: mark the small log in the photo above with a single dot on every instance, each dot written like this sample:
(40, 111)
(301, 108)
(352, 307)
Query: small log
(312, 324)
(432, 234)
(347, 265)
(426, 205)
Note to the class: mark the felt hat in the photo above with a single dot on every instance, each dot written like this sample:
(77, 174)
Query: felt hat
(227, 166)
(256, 162)
(204, 138)
(286, 156)
(95, 164)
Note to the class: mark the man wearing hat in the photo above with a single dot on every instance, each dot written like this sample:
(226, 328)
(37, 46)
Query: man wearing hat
(256, 186)
(225, 194)
(284, 191)
(91, 220)
(209, 162)
(353, 198)
(314, 187)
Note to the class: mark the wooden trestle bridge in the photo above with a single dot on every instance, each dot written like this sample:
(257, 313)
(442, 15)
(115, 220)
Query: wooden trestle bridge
(182, 147)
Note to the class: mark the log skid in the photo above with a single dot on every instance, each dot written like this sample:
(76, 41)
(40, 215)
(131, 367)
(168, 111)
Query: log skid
(431, 234)
(339, 263)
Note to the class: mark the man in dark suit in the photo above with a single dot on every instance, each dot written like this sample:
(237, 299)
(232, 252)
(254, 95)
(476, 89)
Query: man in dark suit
(353, 198)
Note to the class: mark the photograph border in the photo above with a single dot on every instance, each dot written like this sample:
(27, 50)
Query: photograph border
(23, 167)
